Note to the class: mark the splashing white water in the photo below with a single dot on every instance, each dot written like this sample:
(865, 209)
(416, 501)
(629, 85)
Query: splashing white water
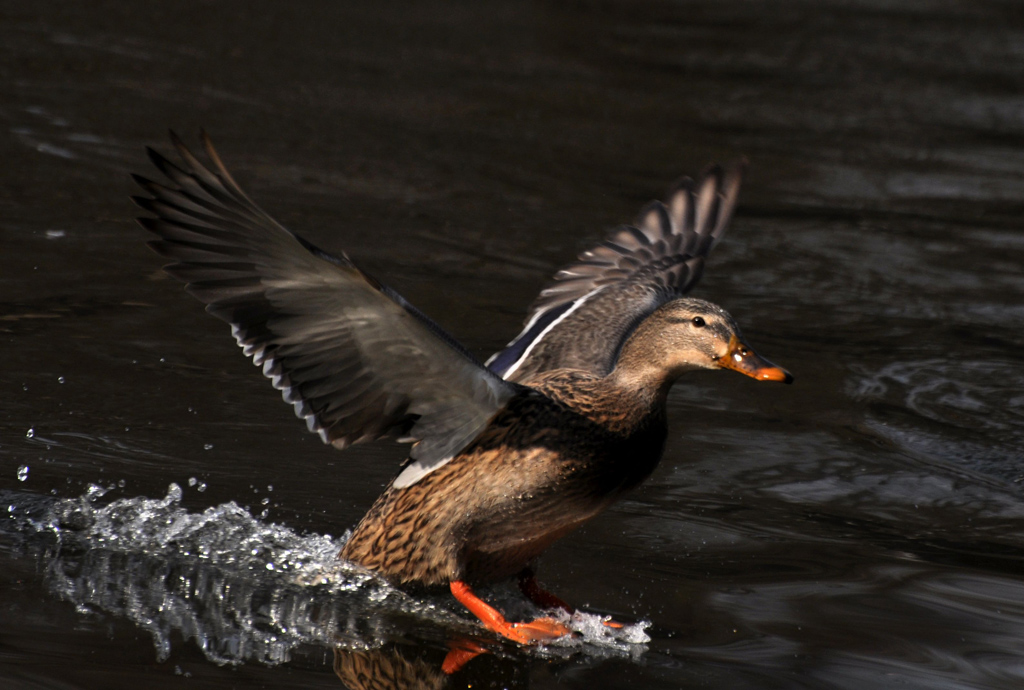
(246, 590)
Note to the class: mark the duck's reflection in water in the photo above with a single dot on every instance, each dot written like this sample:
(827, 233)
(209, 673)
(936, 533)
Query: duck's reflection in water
(391, 667)
(405, 666)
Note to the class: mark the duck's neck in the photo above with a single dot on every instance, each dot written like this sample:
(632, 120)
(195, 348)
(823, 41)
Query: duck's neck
(643, 382)
(642, 371)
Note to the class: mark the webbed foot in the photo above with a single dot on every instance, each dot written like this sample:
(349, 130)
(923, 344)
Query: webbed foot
(531, 632)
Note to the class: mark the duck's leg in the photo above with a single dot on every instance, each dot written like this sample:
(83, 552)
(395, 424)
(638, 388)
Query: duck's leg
(529, 586)
(540, 630)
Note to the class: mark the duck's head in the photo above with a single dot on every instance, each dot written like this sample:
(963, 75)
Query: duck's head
(687, 334)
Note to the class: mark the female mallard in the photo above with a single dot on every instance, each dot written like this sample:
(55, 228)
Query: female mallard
(508, 457)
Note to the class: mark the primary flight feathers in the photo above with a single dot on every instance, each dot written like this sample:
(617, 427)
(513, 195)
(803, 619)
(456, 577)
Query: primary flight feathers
(355, 360)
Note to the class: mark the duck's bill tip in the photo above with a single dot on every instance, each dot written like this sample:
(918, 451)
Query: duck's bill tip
(773, 374)
(742, 359)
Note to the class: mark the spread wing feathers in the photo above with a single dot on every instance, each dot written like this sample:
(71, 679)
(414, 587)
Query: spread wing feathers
(581, 318)
(355, 359)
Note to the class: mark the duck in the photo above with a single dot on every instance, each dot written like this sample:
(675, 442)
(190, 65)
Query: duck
(508, 455)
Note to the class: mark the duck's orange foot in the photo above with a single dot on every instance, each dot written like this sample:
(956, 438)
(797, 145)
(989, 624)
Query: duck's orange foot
(540, 630)
(532, 632)
(546, 600)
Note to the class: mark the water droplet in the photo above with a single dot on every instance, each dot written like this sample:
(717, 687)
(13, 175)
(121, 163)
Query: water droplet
(174, 493)
(265, 500)
(121, 483)
(60, 379)
(192, 481)
(201, 487)
(207, 446)
(270, 487)
(270, 566)
(93, 492)
(23, 473)
(30, 433)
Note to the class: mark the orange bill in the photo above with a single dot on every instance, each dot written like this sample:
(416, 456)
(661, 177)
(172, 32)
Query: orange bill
(742, 358)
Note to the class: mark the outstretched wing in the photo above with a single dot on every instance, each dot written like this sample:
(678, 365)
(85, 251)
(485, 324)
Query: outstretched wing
(355, 359)
(582, 317)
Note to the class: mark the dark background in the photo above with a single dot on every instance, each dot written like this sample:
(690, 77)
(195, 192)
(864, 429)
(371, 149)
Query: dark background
(862, 528)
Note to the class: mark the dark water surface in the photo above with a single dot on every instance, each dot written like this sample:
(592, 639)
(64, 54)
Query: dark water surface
(863, 528)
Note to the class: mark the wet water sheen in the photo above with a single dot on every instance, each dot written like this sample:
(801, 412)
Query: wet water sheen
(166, 522)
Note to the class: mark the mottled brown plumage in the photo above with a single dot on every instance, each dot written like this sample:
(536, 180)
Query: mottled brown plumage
(553, 458)
(541, 468)
(506, 460)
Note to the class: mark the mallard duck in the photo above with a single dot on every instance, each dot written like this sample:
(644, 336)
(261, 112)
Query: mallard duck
(507, 457)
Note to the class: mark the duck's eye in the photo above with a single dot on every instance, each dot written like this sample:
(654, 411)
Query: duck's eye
(698, 322)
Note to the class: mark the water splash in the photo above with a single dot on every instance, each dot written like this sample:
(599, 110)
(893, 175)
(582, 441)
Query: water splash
(243, 589)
